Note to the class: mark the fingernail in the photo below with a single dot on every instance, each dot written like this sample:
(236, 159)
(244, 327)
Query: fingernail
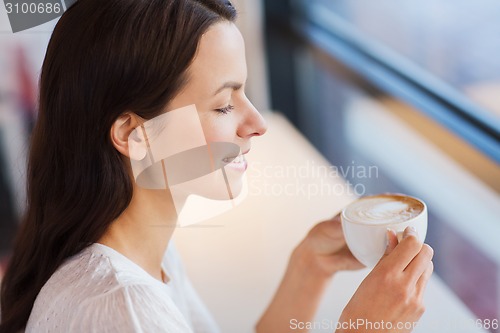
(388, 231)
(410, 231)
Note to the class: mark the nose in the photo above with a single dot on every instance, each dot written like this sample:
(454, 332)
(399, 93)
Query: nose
(252, 123)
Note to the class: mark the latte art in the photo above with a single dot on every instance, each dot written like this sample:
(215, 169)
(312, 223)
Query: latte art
(366, 220)
(383, 209)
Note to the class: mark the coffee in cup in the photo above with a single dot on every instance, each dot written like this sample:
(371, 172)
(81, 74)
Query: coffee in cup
(365, 223)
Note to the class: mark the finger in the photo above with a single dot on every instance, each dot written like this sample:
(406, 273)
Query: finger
(419, 264)
(332, 228)
(409, 231)
(326, 238)
(391, 242)
(345, 260)
(423, 280)
(336, 218)
(406, 250)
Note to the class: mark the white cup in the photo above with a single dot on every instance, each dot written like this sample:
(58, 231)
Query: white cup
(365, 223)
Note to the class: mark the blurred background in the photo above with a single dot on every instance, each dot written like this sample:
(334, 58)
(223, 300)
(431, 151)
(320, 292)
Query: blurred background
(411, 88)
(21, 57)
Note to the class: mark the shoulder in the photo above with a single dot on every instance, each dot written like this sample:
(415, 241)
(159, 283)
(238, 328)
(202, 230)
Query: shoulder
(132, 308)
(96, 290)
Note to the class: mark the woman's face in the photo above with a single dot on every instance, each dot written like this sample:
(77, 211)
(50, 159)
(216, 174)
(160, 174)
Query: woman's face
(205, 127)
(216, 85)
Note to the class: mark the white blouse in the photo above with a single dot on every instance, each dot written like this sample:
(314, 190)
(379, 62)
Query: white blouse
(101, 290)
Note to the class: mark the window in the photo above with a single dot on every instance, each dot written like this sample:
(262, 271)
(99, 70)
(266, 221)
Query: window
(411, 88)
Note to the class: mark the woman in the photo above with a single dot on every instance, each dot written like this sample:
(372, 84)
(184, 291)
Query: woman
(90, 256)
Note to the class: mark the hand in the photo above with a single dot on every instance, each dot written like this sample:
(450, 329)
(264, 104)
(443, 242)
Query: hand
(322, 253)
(393, 291)
(325, 249)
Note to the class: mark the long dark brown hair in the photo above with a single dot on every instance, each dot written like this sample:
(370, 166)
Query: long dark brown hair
(104, 58)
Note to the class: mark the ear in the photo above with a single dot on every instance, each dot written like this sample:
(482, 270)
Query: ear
(127, 138)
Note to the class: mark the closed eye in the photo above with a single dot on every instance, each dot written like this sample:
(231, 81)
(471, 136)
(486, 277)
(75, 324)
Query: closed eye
(225, 110)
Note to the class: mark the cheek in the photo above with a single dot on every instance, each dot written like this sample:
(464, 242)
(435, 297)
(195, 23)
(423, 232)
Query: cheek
(220, 129)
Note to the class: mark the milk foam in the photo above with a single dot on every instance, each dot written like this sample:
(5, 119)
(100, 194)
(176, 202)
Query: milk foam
(383, 209)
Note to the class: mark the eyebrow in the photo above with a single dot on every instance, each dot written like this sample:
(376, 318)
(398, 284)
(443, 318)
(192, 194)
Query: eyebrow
(231, 84)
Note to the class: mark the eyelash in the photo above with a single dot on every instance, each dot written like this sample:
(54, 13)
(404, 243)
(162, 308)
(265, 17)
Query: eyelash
(225, 110)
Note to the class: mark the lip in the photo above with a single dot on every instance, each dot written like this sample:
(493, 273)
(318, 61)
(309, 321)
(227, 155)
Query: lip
(238, 163)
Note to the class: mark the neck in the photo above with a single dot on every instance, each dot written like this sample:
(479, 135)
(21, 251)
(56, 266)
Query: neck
(144, 229)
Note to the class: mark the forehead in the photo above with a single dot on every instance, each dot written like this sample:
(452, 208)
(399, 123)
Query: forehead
(220, 58)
